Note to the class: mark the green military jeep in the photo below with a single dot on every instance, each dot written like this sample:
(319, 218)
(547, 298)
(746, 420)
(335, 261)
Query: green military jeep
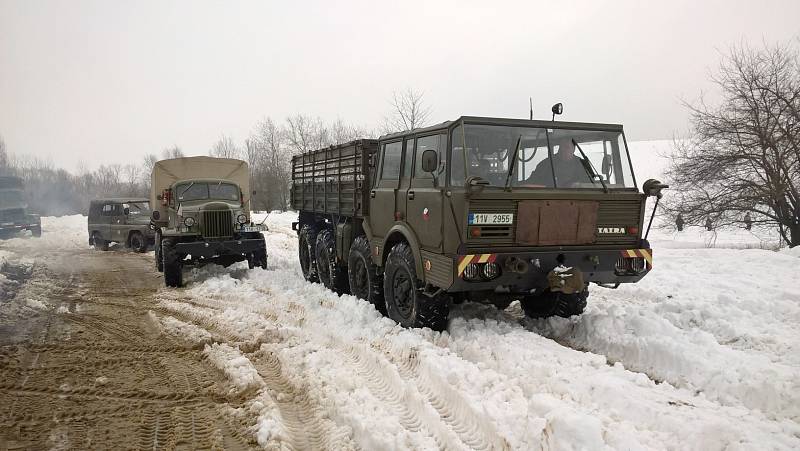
(122, 220)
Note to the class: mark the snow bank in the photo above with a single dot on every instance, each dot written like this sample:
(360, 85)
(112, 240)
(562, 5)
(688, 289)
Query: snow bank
(237, 367)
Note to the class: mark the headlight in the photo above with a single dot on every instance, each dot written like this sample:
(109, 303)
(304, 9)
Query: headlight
(241, 219)
(490, 271)
(188, 222)
(471, 272)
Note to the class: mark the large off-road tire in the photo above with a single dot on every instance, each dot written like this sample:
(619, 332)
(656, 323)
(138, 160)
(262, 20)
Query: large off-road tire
(138, 242)
(37, 231)
(157, 249)
(173, 264)
(99, 242)
(364, 277)
(332, 274)
(307, 240)
(405, 301)
(554, 303)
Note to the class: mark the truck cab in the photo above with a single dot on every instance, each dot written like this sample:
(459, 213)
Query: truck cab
(14, 214)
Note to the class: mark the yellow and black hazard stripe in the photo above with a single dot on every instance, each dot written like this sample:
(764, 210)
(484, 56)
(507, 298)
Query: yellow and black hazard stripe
(646, 254)
(465, 260)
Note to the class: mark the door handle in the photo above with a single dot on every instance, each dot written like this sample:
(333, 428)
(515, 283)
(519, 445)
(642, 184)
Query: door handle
(372, 194)
(411, 195)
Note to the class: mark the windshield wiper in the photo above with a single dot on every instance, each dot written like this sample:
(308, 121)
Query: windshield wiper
(512, 162)
(184, 191)
(591, 172)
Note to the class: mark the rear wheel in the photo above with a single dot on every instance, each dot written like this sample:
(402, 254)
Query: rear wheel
(37, 231)
(99, 242)
(555, 303)
(306, 241)
(366, 281)
(138, 242)
(405, 301)
(331, 272)
(173, 266)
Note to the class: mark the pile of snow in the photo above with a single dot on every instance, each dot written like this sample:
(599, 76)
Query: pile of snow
(236, 367)
(699, 355)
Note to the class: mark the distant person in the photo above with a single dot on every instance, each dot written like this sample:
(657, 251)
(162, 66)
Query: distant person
(568, 167)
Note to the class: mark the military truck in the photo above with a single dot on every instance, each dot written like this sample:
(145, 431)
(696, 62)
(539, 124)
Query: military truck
(201, 215)
(14, 215)
(476, 209)
(122, 220)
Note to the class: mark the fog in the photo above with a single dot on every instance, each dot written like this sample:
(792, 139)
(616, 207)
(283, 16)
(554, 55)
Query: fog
(90, 83)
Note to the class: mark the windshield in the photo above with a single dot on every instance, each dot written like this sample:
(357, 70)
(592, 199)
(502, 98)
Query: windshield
(204, 190)
(545, 158)
(138, 208)
(11, 199)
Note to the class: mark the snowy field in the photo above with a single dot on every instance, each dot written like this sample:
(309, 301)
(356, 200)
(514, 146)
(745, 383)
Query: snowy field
(702, 354)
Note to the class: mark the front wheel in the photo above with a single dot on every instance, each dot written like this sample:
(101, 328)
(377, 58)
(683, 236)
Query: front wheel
(173, 264)
(99, 242)
(555, 303)
(366, 280)
(157, 249)
(405, 301)
(37, 231)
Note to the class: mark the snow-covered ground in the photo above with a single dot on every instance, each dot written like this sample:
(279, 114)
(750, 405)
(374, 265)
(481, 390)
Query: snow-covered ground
(703, 353)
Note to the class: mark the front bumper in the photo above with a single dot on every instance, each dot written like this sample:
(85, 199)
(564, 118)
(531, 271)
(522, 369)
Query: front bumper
(210, 249)
(597, 266)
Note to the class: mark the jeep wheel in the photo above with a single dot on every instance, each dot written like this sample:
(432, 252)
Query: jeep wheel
(37, 231)
(366, 281)
(99, 242)
(138, 242)
(173, 266)
(554, 303)
(157, 246)
(405, 302)
(307, 239)
(330, 272)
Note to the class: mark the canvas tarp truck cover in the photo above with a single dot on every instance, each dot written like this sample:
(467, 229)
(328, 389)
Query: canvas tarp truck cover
(167, 172)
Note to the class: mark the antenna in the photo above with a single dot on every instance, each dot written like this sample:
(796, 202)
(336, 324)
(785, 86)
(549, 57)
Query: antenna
(531, 99)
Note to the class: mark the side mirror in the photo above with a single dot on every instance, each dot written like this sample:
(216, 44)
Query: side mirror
(126, 211)
(156, 215)
(653, 187)
(430, 161)
(557, 109)
(254, 192)
(607, 167)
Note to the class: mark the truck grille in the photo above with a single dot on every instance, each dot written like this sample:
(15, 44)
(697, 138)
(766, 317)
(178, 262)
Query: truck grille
(619, 213)
(12, 215)
(217, 224)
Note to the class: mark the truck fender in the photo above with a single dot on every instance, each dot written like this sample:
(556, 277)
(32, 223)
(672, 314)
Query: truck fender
(402, 229)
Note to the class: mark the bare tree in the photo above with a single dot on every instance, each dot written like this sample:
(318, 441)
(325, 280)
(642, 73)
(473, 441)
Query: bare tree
(742, 164)
(225, 148)
(408, 112)
(172, 152)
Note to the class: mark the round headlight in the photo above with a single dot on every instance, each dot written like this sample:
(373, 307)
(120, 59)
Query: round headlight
(471, 272)
(490, 271)
(188, 222)
(241, 219)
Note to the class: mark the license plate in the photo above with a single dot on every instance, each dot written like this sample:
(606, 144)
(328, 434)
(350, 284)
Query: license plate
(254, 228)
(491, 218)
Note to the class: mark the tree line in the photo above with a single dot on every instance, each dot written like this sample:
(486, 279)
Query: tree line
(268, 150)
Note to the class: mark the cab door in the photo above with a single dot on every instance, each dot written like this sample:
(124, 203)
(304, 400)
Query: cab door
(402, 194)
(425, 207)
(104, 221)
(118, 226)
(383, 195)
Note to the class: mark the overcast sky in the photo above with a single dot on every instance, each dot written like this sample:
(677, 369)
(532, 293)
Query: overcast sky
(109, 81)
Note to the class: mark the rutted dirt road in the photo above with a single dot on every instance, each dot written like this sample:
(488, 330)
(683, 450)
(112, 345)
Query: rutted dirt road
(84, 366)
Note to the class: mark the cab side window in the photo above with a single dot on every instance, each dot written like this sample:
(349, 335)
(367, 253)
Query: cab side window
(433, 142)
(392, 156)
(107, 210)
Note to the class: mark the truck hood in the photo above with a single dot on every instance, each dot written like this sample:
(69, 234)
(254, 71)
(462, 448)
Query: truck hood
(195, 206)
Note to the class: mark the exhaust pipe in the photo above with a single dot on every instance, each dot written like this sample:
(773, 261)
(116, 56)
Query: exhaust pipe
(517, 265)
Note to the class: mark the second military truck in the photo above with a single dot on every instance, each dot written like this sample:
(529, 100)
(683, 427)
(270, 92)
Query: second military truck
(201, 215)
(476, 209)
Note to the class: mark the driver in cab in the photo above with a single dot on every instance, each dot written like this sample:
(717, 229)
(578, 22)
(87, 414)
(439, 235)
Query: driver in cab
(569, 168)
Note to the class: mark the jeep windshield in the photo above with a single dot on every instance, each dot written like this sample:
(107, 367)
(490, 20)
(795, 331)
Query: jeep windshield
(545, 157)
(11, 199)
(207, 190)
